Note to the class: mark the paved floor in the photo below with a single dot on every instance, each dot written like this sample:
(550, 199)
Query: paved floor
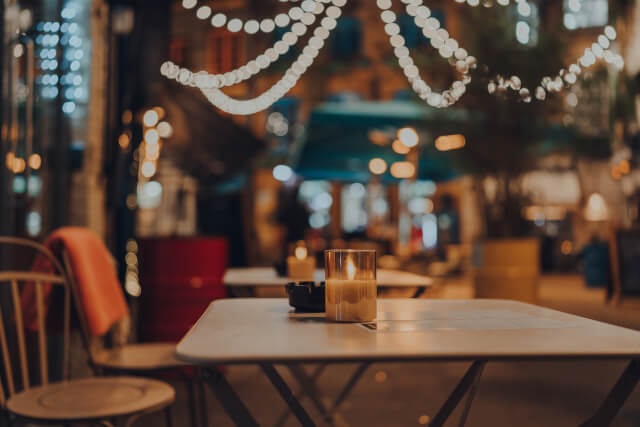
(510, 394)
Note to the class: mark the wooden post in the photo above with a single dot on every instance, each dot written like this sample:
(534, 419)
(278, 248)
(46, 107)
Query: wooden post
(93, 162)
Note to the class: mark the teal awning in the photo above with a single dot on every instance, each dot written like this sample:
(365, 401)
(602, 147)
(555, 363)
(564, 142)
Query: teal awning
(337, 145)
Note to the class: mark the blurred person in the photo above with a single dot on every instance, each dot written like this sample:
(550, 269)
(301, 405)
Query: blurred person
(595, 256)
(292, 215)
(448, 221)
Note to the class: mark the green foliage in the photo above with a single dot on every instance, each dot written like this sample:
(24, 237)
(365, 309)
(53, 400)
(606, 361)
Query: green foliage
(513, 130)
(513, 127)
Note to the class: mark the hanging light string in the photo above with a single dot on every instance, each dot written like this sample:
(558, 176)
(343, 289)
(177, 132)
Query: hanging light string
(330, 11)
(275, 92)
(204, 80)
(489, 3)
(267, 25)
(447, 47)
(565, 77)
(211, 84)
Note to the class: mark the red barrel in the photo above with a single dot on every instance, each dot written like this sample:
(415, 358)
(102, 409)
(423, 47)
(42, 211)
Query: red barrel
(179, 279)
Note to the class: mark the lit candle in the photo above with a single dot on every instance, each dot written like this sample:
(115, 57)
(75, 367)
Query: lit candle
(350, 286)
(300, 266)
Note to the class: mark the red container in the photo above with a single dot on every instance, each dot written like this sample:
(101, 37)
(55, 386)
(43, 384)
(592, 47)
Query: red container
(179, 279)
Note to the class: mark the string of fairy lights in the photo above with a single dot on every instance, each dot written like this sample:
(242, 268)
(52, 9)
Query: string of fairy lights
(325, 13)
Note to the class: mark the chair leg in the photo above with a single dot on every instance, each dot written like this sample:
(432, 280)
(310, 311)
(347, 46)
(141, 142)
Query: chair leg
(168, 417)
(191, 396)
(204, 415)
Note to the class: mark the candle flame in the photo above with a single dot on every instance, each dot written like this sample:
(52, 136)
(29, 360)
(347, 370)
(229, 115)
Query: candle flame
(351, 269)
(301, 253)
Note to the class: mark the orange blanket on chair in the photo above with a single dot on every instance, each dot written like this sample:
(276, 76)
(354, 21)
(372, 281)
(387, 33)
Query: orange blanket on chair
(94, 274)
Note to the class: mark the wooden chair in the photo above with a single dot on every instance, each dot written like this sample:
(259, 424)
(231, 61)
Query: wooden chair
(94, 400)
(138, 359)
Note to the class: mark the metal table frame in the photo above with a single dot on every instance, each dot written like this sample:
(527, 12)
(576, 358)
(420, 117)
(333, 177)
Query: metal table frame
(467, 386)
(308, 383)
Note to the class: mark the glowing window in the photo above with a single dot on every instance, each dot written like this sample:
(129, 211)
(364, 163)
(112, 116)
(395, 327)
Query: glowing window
(527, 21)
(585, 13)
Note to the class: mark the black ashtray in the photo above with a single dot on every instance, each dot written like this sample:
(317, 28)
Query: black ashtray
(306, 296)
(281, 268)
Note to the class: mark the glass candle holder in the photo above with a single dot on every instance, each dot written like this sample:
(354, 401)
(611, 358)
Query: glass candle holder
(350, 285)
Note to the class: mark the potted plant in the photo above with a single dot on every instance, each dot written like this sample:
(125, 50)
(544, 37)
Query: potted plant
(507, 261)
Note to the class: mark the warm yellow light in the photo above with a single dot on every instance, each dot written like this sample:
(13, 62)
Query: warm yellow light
(127, 116)
(160, 112)
(377, 166)
(408, 136)
(566, 248)
(150, 118)
(124, 141)
(151, 136)
(132, 201)
(10, 159)
(378, 137)
(616, 173)
(597, 208)
(624, 167)
(152, 149)
(165, 130)
(549, 213)
(301, 252)
(450, 142)
(423, 419)
(403, 170)
(132, 246)
(19, 165)
(35, 161)
(148, 169)
(428, 206)
(133, 287)
(351, 270)
(381, 376)
(399, 147)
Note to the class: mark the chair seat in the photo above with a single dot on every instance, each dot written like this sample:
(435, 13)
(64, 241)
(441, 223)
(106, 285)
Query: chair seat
(91, 399)
(139, 357)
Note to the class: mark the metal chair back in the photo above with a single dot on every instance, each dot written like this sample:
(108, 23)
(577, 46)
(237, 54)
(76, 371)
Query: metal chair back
(16, 280)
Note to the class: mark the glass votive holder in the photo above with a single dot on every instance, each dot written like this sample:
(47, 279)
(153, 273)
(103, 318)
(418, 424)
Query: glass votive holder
(350, 285)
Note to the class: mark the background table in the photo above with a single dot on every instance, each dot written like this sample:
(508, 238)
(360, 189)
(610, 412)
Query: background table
(266, 332)
(268, 277)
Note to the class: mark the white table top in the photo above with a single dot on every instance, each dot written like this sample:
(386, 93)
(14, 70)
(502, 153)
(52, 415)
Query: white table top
(265, 330)
(267, 276)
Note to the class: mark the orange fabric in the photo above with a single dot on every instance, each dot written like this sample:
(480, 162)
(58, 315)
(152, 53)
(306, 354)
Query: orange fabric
(94, 273)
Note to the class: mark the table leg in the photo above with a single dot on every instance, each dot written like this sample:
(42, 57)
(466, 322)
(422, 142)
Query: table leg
(288, 396)
(617, 397)
(350, 385)
(353, 381)
(228, 398)
(467, 404)
(468, 382)
(204, 416)
(303, 392)
(310, 389)
(419, 292)
(242, 291)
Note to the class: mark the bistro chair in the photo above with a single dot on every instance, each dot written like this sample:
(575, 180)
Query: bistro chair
(142, 359)
(25, 399)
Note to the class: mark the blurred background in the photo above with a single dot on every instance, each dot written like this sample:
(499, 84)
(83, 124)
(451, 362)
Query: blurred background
(94, 134)
(539, 186)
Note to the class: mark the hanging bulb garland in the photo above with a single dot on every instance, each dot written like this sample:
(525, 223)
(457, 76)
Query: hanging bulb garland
(325, 14)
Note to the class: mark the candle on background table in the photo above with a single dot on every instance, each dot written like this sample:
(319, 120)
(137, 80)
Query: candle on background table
(350, 285)
(301, 266)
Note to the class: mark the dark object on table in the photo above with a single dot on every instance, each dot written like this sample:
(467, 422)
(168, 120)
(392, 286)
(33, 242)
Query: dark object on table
(306, 296)
(281, 268)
